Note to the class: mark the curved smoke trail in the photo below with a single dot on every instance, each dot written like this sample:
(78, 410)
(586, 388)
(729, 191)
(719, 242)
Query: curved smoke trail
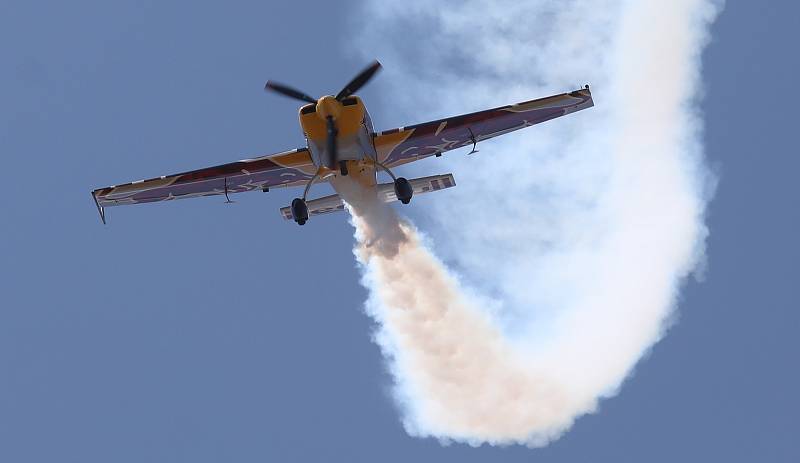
(570, 241)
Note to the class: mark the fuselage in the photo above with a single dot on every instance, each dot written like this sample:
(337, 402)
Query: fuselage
(354, 137)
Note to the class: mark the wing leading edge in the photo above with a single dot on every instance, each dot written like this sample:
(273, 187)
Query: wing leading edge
(407, 144)
(289, 168)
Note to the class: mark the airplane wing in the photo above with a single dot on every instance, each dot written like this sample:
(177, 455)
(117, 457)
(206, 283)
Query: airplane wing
(407, 144)
(289, 168)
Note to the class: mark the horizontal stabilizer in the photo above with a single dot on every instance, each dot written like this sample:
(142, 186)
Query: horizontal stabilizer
(318, 206)
(386, 193)
(420, 186)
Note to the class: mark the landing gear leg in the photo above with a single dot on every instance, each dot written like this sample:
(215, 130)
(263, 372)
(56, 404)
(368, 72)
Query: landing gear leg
(343, 168)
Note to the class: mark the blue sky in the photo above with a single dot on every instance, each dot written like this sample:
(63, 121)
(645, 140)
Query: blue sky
(199, 331)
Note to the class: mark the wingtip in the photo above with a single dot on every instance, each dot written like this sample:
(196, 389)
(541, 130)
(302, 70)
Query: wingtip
(100, 209)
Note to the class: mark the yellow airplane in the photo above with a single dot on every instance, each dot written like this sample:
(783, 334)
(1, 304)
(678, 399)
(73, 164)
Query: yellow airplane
(340, 142)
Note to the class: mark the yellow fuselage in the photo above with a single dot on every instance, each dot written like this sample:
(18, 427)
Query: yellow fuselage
(353, 139)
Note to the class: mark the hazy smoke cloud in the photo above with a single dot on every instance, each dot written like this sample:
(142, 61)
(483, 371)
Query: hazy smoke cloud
(569, 240)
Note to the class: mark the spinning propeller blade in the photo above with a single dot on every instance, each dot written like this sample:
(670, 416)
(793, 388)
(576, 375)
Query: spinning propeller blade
(288, 91)
(332, 132)
(359, 81)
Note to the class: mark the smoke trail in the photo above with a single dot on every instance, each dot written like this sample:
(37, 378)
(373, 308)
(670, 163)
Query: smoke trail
(570, 241)
(464, 380)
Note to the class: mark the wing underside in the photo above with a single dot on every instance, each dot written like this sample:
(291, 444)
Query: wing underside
(407, 144)
(290, 168)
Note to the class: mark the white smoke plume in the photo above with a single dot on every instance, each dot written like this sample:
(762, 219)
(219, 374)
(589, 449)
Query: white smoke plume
(568, 241)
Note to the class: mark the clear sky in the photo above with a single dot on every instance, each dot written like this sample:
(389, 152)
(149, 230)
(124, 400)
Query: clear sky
(199, 331)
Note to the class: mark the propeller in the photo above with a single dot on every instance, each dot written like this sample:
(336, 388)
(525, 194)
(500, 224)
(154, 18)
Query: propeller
(352, 87)
(288, 91)
(333, 132)
(359, 81)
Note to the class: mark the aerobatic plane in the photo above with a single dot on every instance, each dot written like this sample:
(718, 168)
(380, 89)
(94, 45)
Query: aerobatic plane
(341, 142)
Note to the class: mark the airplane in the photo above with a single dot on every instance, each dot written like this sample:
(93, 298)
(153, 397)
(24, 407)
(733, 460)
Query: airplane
(341, 142)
